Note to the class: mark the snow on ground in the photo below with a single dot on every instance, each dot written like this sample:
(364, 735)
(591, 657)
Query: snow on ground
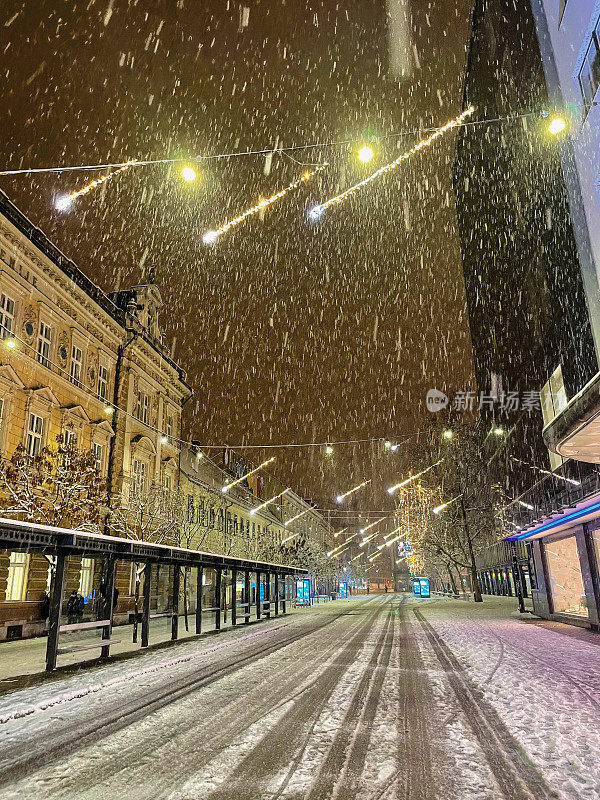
(544, 682)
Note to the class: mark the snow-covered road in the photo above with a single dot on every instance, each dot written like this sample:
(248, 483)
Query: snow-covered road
(381, 697)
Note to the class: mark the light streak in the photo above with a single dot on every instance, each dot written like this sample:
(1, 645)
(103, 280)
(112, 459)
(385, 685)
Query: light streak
(228, 486)
(453, 123)
(392, 489)
(212, 236)
(301, 514)
(341, 497)
(335, 535)
(372, 525)
(439, 509)
(64, 202)
(268, 502)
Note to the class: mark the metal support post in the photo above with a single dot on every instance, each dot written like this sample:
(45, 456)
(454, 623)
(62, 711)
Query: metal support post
(268, 593)
(284, 599)
(199, 598)
(55, 609)
(258, 594)
(111, 566)
(233, 596)
(276, 590)
(516, 569)
(218, 598)
(247, 593)
(175, 611)
(146, 604)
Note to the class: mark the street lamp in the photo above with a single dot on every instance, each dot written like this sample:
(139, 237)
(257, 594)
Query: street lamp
(557, 125)
(365, 154)
(188, 174)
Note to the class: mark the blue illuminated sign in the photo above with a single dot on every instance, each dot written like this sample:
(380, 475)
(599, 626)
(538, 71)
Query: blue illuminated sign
(424, 585)
(303, 592)
(417, 587)
(343, 589)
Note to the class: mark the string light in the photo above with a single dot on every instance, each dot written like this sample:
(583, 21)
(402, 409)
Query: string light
(355, 557)
(63, 203)
(453, 123)
(228, 486)
(392, 489)
(268, 502)
(335, 535)
(289, 538)
(211, 236)
(301, 514)
(341, 497)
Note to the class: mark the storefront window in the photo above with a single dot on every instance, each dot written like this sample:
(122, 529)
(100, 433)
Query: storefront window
(566, 582)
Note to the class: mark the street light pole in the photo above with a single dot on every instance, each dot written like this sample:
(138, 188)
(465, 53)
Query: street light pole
(516, 570)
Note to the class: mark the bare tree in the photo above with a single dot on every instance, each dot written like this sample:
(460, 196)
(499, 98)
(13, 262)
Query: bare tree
(59, 486)
(148, 515)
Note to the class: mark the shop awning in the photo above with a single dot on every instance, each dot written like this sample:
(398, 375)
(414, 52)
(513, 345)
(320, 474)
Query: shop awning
(575, 432)
(561, 520)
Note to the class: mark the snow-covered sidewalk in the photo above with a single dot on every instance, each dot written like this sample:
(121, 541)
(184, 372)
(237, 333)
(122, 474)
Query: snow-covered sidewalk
(543, 679)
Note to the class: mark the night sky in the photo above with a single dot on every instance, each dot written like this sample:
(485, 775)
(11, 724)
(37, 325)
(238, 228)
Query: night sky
(289, 330)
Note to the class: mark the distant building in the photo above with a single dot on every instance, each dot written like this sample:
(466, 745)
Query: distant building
(531, 300)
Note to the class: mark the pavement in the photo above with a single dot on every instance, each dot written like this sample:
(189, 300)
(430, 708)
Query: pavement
(372, 697)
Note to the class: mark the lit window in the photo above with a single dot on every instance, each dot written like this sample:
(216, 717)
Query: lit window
(102, 382)
(142, 406)
(18, 567)
(98, 454)
(7, 316)
(43, 345)
(76, 364)
(35, 435)
(86, 577)
(138, 484)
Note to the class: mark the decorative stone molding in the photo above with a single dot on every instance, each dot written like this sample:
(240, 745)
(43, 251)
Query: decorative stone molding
(29, 324)
(62, 351)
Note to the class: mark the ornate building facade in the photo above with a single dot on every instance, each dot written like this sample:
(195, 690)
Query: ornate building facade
(90, 368)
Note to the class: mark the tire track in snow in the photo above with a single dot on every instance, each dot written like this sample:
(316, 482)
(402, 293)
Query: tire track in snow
(17, 761)
(517, 777)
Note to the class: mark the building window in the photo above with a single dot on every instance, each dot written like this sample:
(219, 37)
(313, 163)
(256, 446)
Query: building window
(142, 406)
(70, 439)
(566, 581)
(167, 482)
(86, 577)
(35, 435)
(98, 451)
(553, 398)
(138, 484)
(589, 74)
(76, 364)
(7, 316)
(102, 382)
(43, 345)
(18, 567)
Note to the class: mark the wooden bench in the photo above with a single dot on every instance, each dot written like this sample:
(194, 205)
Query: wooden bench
(76, 648)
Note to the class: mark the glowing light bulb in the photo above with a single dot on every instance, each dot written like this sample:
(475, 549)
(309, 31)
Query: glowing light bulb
(63, 202)
(499, 431)
(164, 439)
(340, 498)
(108, 410)
(188, 174)
(210, 237)
(11, 344)
(365, 154)
(316, 212)
(557, 125)
(448, 434)
(329, 449)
